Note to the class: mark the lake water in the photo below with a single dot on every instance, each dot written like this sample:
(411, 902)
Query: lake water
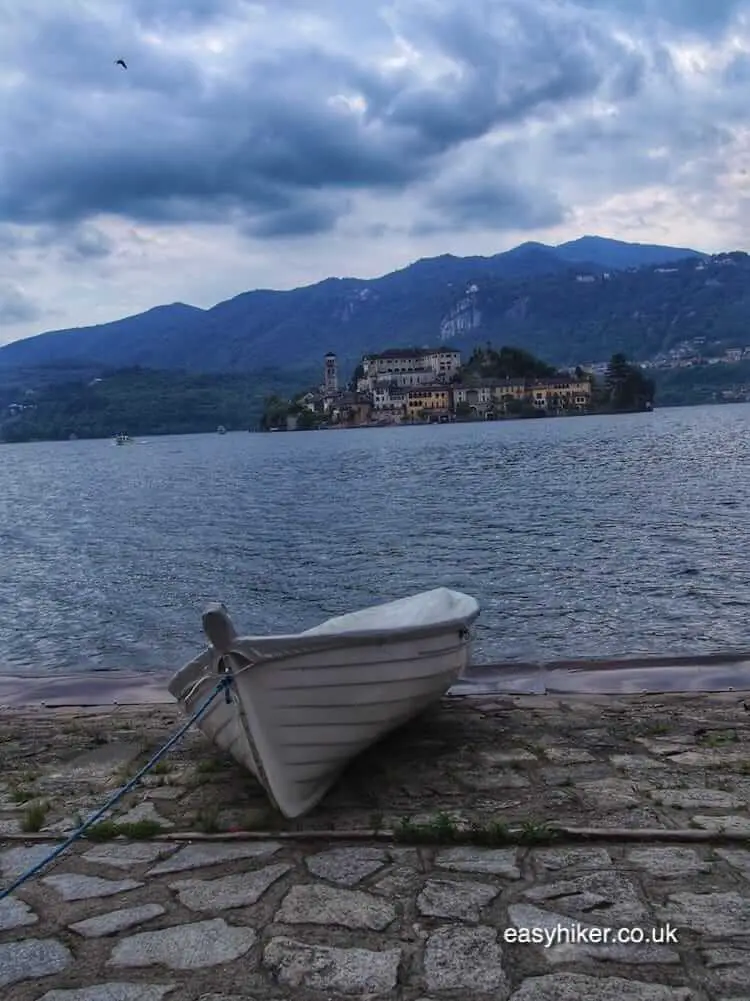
(587, 537)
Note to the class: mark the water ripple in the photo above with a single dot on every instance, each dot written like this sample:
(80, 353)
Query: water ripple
(591, 537)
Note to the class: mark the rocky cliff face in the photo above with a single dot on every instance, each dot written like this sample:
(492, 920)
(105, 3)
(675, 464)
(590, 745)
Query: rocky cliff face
(464, 317)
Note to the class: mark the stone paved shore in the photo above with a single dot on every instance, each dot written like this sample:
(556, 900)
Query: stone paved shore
(322, 917)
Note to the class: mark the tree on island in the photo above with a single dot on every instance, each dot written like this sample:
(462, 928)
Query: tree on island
(306, 419)
(627, 388)
(507, 363)
(275, 412)
(359, 373)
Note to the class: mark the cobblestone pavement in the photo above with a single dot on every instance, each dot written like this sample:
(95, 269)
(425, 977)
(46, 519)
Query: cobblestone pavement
(315, 919)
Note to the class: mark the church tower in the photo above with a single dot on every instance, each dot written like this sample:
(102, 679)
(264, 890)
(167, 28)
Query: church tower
(331, 375)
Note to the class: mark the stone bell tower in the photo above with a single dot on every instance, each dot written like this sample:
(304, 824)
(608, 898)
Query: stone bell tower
(331, 374)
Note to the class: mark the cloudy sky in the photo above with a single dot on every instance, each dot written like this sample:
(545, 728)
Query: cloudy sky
(273, 144)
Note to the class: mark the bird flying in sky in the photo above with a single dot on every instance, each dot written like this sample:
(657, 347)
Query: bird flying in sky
(120, 62)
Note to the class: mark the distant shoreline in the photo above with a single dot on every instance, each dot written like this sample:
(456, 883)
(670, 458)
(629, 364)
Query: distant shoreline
(361, 427)
(460, 420)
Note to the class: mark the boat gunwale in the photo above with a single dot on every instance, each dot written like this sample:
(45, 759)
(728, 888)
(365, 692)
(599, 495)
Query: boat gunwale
(266, 649)
(318, 642)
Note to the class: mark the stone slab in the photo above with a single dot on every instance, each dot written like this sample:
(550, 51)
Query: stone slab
(465, 959)
(578, 987)
(145, 811)
(663, 862)
(738, 858)
(713, 915)
(238, 890)
(611, 893)
(199, 856)
(327, 905)
(357, 972)
(498, 861)
(399, 882)
(102, 760)
(116, 921)
(609, 794)
(112, 991)
(15, 914)
(445, 898)
(15, 861)
(185, 947)
(72, 886)
(32, 959)
(572, 858)
(698, 798)
(568, 755)
(346, 866)
(732, 824)
(729, 969)
(511, 756)
(127, 855)
(526, 916)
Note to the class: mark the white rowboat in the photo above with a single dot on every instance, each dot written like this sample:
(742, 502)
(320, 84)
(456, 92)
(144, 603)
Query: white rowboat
(305, 704)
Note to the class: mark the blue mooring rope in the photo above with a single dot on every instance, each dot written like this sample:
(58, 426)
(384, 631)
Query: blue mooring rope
(223, 686)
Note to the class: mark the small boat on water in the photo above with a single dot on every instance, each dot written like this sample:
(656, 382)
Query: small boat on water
(221, 429)
(304, 705)
(123, 439)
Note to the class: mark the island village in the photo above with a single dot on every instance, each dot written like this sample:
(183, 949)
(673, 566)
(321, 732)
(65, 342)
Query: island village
(430, 385)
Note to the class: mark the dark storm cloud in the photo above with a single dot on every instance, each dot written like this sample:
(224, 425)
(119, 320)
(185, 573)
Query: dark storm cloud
(484, 203)
(302, 220)
(642, 145)
(78, 242)
(513, 62)
(88, 243)
(699, 16)
(188, 13)
(190, 151)
(15, 307)
(257, 137)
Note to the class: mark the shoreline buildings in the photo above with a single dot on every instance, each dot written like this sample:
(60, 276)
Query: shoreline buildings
(422, 385)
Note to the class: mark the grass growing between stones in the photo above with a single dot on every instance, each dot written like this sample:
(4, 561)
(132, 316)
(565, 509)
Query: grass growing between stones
(208, 765)
(444, 829)
(122, 775)
(138, 830)
(34, 817)
(653, 729)
(717, 738)
(207, 820)
(207, 768)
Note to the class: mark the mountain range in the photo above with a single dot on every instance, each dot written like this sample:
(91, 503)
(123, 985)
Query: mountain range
(576, 302)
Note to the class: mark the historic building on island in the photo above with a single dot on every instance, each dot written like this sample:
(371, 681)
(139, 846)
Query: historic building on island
(418, 385)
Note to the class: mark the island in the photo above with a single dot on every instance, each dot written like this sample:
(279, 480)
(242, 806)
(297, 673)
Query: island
(432, 385)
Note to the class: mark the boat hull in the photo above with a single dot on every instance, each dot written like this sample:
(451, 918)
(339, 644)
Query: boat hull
(304, 706)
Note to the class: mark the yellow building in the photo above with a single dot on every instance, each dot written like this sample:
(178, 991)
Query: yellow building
(509, 389)
(560, 393)
(430, 398)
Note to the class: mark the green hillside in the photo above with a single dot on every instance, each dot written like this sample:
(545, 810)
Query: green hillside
(141, 402)
(530, 296)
